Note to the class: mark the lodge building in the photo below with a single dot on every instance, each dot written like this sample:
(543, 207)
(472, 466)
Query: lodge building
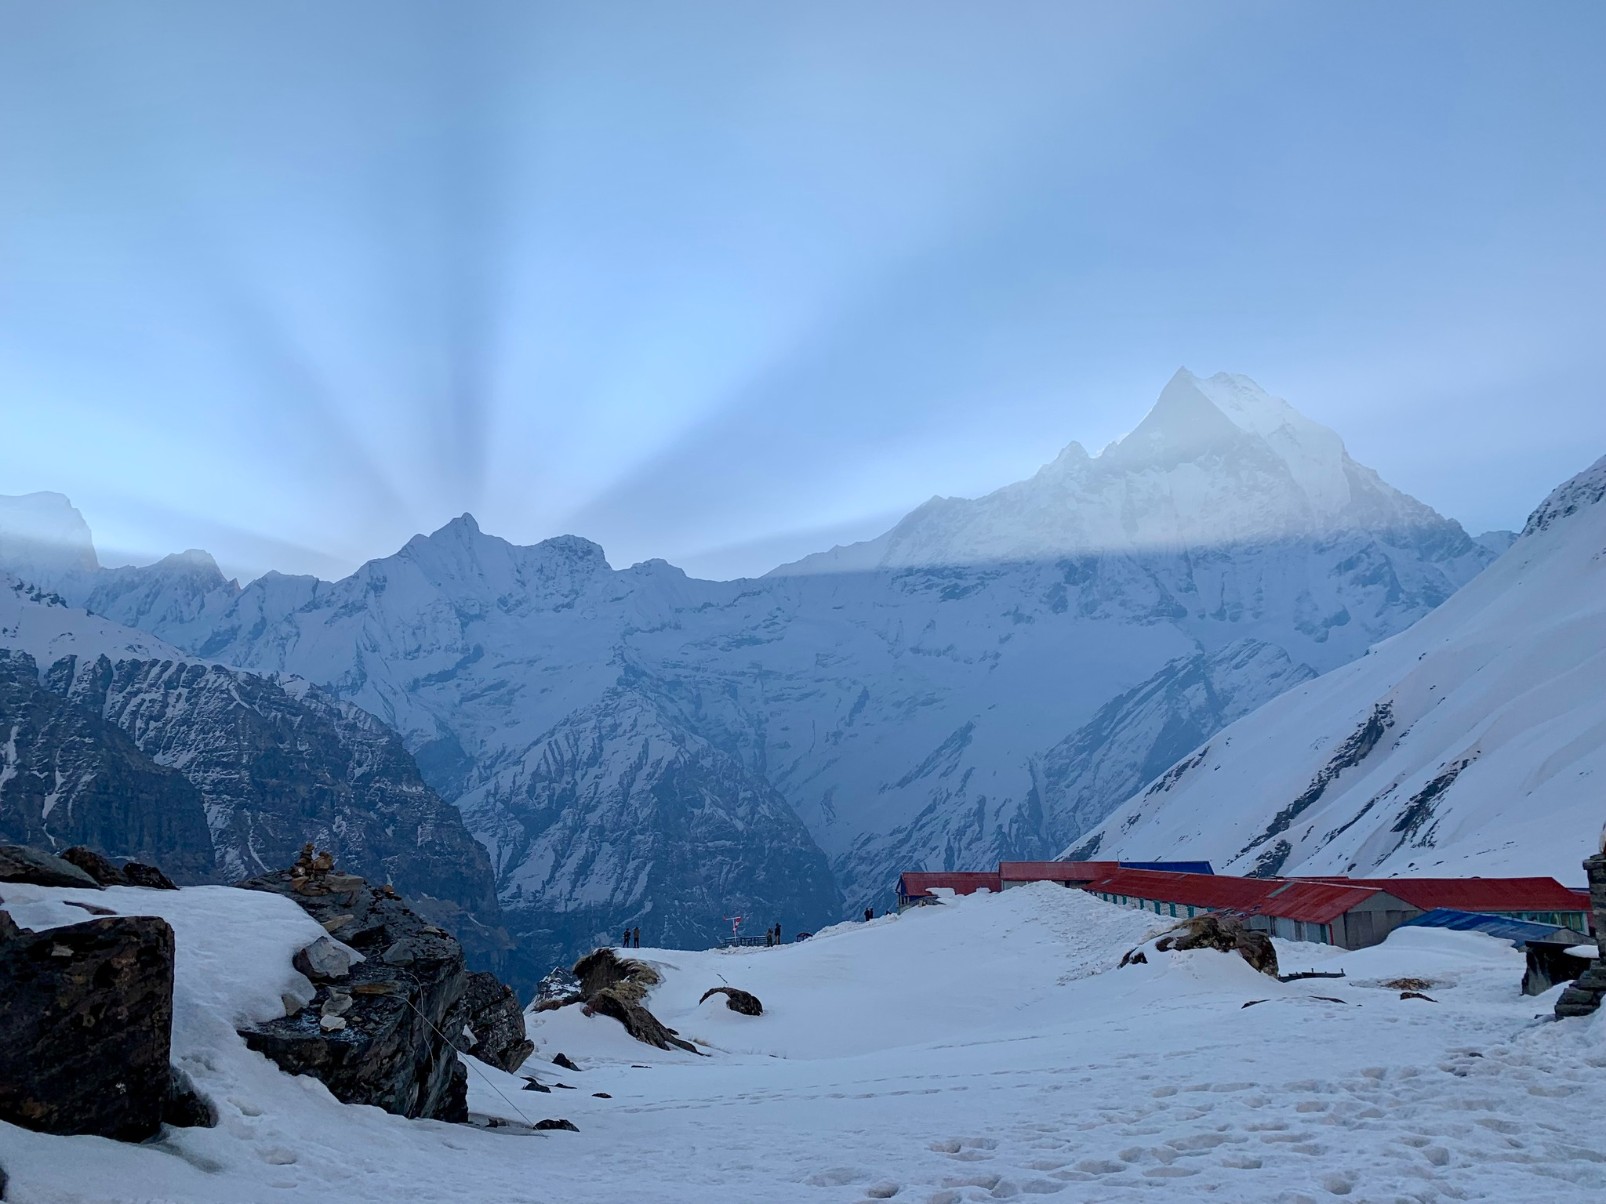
(1350, 913)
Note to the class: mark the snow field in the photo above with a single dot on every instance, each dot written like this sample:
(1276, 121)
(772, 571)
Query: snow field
(985, 1049)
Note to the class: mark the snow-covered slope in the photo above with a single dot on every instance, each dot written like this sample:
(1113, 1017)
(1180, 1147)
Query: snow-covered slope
(986, 684)
(984, 1050)
(1474, 743)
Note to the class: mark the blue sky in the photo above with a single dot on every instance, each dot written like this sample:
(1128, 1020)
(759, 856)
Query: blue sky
(728, 283)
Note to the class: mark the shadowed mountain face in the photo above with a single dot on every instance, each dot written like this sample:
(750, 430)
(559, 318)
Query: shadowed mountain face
(987, 679)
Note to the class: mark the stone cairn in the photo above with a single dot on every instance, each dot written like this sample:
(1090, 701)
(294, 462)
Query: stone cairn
(1586, 994)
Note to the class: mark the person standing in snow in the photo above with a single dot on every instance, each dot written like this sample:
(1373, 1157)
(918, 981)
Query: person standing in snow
(869, 914)
(625, 944)
(638, 938)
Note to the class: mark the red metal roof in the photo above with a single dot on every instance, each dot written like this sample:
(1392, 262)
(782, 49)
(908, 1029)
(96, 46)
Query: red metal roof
(1315, 902)
(1318, 902)
(1474, 894)
(915, 884)
(1217, 891)
(1054, 871)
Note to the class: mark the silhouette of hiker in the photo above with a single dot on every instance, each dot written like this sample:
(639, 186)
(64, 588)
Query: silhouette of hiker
(625, 944)
(869, 913)
(638, 938)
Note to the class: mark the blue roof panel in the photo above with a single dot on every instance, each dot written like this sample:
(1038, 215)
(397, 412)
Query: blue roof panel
(1169, 867)
(1518, 932)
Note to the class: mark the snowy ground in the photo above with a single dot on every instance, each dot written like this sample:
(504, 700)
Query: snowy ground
(982, 1050)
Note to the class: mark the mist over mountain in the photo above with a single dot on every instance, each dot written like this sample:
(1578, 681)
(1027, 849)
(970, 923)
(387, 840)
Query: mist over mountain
(987, 679)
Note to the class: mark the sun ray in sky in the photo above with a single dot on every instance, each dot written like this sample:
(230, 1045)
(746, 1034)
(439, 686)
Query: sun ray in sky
(692, 282)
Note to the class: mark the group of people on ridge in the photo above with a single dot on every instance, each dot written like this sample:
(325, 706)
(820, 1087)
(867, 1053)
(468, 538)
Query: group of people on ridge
(632, 939)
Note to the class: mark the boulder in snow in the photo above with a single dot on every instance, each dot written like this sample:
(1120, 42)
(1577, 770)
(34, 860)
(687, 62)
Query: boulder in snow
(736, 1000)
(86, 1019)
(148, 876)
(1226, 934)
(1585, 995)
(105, 871)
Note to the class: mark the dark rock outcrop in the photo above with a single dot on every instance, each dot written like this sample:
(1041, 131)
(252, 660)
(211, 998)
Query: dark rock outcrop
(148, 876)
(558, 989)
(86, 1018)
(383, 1033)
(615, 986)
(1588, 991)
(603, 968)
(1226, 934)
(216, 774)
(20, 864)
(104, 871)
(638, 1021)
(736, 1000)
(101, 869)
(495, 1019)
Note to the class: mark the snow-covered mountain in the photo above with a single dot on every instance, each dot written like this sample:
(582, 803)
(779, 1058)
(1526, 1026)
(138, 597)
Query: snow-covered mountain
(1217, 464)
(1474, 743)
(987, 679)
(44, 540)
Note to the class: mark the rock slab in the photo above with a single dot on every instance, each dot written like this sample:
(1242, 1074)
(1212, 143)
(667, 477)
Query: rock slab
(495, 1019)
(18, 863)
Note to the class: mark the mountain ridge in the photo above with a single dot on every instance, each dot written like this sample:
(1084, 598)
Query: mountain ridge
(904, 712)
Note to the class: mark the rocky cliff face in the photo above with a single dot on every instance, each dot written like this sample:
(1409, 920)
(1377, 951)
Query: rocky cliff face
(620, 816)
(218, 775)
(279, 765)
(68, 777)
